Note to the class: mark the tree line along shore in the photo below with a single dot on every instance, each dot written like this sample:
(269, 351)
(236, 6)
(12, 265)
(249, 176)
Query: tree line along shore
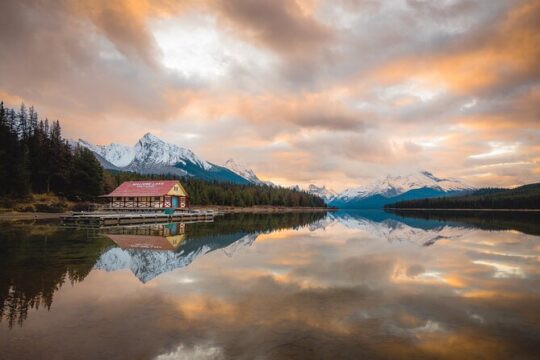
(41, 172)
(526, 197)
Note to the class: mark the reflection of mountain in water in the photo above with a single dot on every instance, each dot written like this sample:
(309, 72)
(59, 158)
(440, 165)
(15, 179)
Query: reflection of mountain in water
(147, 264)
(426, 228)
(527, 222)
(141, 249)
(394, 228)
(36, 260)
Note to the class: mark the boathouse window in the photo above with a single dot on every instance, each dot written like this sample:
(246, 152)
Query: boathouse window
(131, 198)
(156, 198)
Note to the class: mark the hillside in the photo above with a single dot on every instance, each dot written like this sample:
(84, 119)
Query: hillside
(523, 197)
(392, 188)
(151, 155)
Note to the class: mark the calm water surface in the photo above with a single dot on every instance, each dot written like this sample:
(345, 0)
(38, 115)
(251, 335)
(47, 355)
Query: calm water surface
(292, 286)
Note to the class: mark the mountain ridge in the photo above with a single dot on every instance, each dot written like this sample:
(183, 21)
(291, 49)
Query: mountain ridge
(391, 189)
(152, 155)
(245, 172)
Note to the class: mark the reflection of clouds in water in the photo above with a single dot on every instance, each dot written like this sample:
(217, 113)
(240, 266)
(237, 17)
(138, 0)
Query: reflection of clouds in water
(316, 293)
(415, 270)
(394, 230)
(503, 270)
(197, 352)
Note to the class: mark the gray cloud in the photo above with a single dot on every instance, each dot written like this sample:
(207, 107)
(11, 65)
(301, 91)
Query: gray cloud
(334, 105)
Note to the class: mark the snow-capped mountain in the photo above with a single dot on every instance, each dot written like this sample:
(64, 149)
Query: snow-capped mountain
(245, 172)
(393, 229)
(151, 155)
(117, 154)
(321, 191)
(152, 151)
(147, 264)
(396, 188)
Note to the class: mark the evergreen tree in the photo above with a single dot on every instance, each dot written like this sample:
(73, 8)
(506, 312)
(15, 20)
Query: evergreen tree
(86, 175)
(35, 158)
(22, 122)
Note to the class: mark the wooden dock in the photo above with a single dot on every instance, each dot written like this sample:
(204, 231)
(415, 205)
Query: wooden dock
(112, 219)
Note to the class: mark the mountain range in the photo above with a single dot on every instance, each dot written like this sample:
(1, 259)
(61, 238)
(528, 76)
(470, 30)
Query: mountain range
(391, 189)
(151, 155)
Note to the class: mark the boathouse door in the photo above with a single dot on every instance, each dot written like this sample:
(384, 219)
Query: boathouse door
(175, 202)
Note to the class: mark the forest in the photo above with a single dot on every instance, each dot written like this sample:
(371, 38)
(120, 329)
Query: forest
(36, 159)
(202, 192)
(523, 197)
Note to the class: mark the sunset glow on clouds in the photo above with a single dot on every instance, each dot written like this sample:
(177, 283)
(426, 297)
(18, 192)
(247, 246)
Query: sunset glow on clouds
(306, 91)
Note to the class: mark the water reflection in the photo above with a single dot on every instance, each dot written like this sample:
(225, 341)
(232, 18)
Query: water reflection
(527, 222)
(349, 285)
(149, 255)
(37, 260)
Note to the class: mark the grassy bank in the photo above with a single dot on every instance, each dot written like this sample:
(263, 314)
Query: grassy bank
(43, 203)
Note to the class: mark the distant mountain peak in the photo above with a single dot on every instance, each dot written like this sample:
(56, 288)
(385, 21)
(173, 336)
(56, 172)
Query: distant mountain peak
(232, 162)
(244, 171)
(321, 191)
(392, 186)
(151, 150)
(152, 155)
(151, 138)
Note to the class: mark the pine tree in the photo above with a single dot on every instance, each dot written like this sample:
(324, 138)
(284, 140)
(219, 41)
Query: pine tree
(22, 123)
(86, 175)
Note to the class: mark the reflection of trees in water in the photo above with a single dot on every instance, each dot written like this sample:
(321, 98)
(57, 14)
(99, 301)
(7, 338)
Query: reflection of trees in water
(252, 223)
(36, 261)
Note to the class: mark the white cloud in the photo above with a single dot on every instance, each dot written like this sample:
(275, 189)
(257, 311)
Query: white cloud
(195, 46)
(497, 149)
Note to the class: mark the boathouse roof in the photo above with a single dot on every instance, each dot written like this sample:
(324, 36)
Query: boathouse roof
(148, 188)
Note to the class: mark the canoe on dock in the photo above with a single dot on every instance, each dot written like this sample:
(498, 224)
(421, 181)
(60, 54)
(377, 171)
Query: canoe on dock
(126, 218)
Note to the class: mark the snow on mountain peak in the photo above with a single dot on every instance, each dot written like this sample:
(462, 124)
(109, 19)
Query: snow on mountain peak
(245, 172)
(117, 154)
(322, 192)
(151, 150)
(151, 138)
(152, 155)
(242, 170)
(148, 151)
(391, 186)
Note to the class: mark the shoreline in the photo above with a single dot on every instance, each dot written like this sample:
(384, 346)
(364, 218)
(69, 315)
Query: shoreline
(25, 216)
(470, 210)
(260, 209)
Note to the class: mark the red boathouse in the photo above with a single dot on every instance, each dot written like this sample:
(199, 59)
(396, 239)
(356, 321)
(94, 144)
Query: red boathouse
(148, 194)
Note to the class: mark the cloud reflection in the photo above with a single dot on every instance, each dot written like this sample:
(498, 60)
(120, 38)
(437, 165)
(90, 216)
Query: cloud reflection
(355, 293)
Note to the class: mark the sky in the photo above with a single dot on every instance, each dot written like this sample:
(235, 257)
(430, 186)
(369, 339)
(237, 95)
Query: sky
(333, 92)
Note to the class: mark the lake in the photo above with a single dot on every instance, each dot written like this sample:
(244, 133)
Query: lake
(343, 285)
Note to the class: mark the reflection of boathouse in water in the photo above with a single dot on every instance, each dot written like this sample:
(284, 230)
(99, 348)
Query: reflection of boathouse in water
(155, 237)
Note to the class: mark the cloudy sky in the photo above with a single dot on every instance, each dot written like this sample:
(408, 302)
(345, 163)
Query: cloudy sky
(333, 92)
